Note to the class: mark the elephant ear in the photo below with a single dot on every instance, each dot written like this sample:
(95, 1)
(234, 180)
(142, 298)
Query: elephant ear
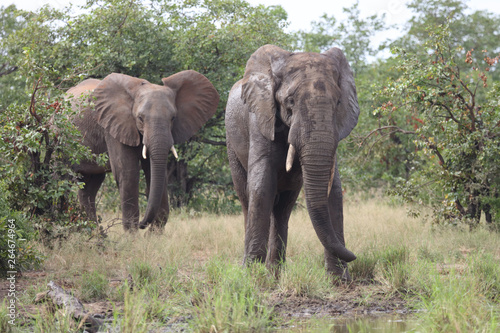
(259, 86)
(113, 107)
(196, 101)
(348, 109)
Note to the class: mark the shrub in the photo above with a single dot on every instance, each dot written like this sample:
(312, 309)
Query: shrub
(16, 247)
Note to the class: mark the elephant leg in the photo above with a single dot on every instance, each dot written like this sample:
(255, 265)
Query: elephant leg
(239, 176)
(278, 235)
(125, 167)
(334, 265)
(262, 181)
(158, 224)
(87, 195)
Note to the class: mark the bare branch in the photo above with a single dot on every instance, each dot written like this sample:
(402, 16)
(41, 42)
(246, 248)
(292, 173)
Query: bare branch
(213, 142)
(441, 159)
(380, 129)
(4, 70)
(447, 108)
(470, 107)
(33, 101)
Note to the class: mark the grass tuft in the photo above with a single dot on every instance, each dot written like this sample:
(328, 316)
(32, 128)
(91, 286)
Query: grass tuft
(232, 303)
(133, 317)
(455, 304)
(5, 326)
(305, 276)
(363, 268)
(93, 286)
(394, 267)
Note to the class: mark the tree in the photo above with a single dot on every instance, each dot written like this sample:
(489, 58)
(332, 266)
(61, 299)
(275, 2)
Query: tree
(11, 86)
(455, 130)
(386, 157)
(478, 30)
(352, 35)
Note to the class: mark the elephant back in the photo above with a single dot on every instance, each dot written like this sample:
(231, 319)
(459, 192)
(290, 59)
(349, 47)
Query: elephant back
(80, 96)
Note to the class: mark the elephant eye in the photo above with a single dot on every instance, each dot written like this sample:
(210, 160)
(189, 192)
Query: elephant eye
(140, 119)
(289, 103)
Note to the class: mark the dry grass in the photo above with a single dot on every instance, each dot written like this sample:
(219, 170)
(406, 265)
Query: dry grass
(195, 239)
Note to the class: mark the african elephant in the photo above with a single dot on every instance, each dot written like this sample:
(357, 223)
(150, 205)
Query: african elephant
(284, 120)
(130, 116)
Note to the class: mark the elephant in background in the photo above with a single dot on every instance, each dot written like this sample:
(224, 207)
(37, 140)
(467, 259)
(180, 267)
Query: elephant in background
(284, 120)
(137, 123)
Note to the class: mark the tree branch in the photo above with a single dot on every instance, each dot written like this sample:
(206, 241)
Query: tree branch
(213, 142)
(4, 70)
(469, 107)
(447, 108)
(441, 159)
(33, 101)
(380, 129)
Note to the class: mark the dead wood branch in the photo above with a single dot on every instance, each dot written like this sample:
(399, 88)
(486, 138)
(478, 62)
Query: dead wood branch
(71, 306)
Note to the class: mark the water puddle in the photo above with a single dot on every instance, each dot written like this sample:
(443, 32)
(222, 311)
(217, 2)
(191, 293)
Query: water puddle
(383, 323)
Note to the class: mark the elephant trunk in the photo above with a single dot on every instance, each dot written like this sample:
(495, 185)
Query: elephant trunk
(316, 161)
(158, 151)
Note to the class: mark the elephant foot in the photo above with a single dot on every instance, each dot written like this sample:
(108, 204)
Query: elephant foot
(340, 272)
(155, 229)
(274, 268)
(130, 227)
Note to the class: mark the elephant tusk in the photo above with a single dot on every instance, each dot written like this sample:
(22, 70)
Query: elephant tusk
(332, 174)
(174, 152)
(144, 149)
(289, 158)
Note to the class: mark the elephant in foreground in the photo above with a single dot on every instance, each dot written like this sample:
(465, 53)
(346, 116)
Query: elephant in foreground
(137, 123)
(284, 120)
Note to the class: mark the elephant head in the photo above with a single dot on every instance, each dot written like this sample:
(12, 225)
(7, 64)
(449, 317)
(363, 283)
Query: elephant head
(315, 97)
(135, 111)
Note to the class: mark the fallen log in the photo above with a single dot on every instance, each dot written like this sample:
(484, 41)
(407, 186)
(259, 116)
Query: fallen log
(71, 306)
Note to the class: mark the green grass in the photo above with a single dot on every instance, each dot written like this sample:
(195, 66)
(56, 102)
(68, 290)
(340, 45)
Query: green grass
(5, 326)
(93, 286)
(456, 304)
(363, 268)
(231, 300)
(191, 277)
(305, 276)
(133, 316)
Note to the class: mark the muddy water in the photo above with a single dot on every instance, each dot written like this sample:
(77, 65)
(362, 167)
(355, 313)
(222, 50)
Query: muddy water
(371, 323)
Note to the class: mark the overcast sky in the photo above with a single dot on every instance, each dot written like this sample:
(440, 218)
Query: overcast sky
(302, 13)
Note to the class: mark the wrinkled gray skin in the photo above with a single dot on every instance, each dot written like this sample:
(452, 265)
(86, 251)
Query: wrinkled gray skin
(131, 113)
(307, 100)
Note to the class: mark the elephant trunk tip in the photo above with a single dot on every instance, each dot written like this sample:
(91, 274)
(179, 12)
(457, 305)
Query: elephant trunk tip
(341, 252)
(349, 256)
(148, 218)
